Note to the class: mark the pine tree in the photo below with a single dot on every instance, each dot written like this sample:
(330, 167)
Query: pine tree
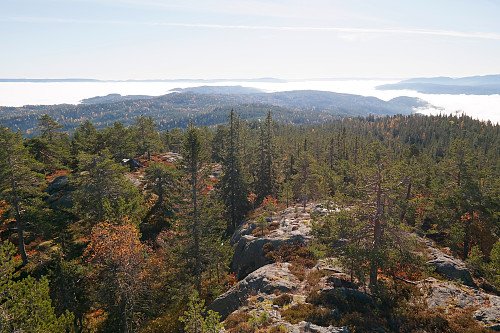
(118, 140)
(25, 304)
(19, 184)
(85, 139)
(146, 135)
(51, 148)
(162, 181)
(103, 192)
(194, 320)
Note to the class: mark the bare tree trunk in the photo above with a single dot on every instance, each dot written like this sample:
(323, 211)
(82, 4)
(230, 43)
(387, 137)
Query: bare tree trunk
(20, 224)
(20, 236)
(196, 230)
(377, 230)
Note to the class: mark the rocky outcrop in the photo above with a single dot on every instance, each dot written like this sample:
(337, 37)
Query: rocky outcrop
(453, 268)
(261, 282)
(445, 294)
(293, 226)
(449, 295)
(490, 315)
(265, 280)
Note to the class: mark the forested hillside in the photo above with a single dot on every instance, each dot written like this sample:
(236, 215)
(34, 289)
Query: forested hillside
(206, 106)
(120, 227)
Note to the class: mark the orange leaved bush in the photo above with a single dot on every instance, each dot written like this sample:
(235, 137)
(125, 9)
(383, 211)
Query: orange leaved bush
(121, 260)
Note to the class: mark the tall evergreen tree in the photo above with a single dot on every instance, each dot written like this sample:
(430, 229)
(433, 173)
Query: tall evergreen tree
(192, 158)
(19, 184)
(118, 140)
(146, 135)
(51, 148)
(234, 190)
(162, 181)
(265, 176)
(85, 139)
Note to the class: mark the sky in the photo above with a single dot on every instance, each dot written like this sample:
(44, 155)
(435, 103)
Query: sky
(289, 39)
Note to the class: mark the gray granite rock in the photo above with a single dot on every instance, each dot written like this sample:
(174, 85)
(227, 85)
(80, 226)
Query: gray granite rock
(452, 267)
(266, 279)
(490, 315)
(249, 249)
(445, 294)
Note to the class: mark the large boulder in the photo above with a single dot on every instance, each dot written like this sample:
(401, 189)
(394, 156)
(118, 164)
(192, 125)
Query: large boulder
(249, 253)
(266, 280)
(58, 184)
(60, 193)
(352, 296)
(452, 267)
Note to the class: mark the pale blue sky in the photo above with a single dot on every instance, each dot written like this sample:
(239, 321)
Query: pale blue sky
(155, 39)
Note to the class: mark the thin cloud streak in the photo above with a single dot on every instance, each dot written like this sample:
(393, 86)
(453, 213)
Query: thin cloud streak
(392, 31)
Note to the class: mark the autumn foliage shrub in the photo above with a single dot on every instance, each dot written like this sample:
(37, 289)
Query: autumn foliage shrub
(282, 300)
(278, 329)
(298, 270)
(290, 252)
(310, 313)
(236, 318)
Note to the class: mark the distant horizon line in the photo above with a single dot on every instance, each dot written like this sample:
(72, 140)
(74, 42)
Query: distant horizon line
(261, 79)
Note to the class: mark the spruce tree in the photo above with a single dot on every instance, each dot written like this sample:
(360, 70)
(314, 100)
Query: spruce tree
(265, 176)
(192, 158)
(233, 188)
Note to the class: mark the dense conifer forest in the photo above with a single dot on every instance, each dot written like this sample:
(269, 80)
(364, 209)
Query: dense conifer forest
(127, 228)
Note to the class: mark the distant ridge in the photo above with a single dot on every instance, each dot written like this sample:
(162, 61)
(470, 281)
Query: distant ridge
(471, 85)
(209, 106)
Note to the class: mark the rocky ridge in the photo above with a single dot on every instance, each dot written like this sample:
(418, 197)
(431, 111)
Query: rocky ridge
(263, 283)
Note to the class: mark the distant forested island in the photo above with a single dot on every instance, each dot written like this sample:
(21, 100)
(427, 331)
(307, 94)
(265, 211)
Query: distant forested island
(208, 106)
(472, 85)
